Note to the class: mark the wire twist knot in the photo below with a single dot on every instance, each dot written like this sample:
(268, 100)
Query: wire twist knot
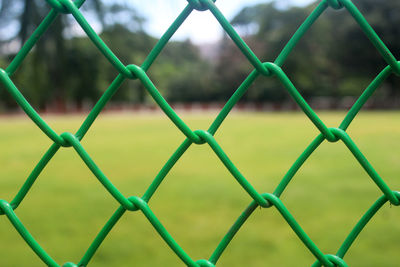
(270, 198)
(205, 263)
(67, 138)
(138, 203)
(199, 5)
(59, 5)
(396, 69)
(335, 134)
(3, 204)
(202, 135)
(334, 260)
(397, 195)
(135, 72)
(335, 4)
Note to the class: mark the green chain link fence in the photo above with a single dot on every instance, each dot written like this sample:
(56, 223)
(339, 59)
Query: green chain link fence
(199, 137)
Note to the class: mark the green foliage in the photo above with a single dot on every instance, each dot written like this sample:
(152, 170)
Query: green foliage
(182, 73)
(69, 70)
(333, 59)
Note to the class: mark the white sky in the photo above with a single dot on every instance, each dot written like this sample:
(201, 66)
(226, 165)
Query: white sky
(200, 27)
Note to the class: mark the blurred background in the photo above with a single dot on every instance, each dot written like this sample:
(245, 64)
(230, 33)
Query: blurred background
(331, 66)
(200, 69)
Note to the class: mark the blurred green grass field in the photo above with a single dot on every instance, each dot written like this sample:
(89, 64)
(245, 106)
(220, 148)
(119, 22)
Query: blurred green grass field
(199, 200)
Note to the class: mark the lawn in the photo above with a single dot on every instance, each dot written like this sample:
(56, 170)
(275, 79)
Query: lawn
(199, 199)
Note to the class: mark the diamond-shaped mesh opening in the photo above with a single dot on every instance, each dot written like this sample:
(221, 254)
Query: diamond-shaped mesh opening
(200, 183)
(375, 236)
(346, 190)
(144, 240)
(136, 139)
(366, 129)
(58, 184)
(266, 248)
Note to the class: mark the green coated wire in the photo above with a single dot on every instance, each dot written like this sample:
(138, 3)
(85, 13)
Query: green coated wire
(199, 137)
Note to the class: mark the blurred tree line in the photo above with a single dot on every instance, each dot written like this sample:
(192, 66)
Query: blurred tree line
(334, 59)
(66, 68)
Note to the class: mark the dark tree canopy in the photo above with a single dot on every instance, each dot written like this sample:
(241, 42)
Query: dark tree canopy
(334, 59)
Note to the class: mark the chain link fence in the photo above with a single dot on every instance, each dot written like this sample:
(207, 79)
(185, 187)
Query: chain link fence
(199, 137)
